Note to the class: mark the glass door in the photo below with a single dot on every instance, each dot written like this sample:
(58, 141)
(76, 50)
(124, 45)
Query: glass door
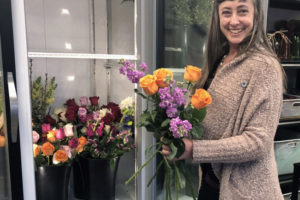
(5, 191)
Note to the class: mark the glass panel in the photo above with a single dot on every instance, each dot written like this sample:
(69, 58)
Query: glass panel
(4, 159)
(85, 26)
(181, 41)
(80, 77)
(284, 20)
(184, 32)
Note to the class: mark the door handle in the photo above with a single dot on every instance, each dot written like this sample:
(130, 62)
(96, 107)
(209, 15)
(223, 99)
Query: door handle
(13, 104)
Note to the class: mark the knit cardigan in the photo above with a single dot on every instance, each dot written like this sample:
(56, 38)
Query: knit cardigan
(240, 126)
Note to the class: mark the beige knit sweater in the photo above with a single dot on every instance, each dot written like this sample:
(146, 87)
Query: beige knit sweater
(239, 128)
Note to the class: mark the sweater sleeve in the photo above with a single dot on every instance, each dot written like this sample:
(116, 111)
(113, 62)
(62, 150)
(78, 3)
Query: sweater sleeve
(257, 126)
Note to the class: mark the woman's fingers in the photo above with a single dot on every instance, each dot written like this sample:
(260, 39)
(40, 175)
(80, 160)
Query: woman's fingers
(166, 150)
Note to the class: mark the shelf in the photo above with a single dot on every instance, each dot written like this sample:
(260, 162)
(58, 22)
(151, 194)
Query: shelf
(290, 65)
(283, 123)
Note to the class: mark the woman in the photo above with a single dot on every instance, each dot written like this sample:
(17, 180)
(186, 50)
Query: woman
(246, 90)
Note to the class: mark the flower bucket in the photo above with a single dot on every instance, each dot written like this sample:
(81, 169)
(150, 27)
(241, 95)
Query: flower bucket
(98, 178)
(52, 182)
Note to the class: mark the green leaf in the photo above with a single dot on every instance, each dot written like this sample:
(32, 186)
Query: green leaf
(165, 123)
(197, 132)
(153, 115)
(199, 114)
(144, 119)
(173, 152)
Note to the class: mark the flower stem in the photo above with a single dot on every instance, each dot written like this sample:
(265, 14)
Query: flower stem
(48, 160)
(144, 165)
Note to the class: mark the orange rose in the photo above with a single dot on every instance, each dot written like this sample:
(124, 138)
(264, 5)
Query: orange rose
(48, 149)
(36, 150)
(200, 99)
(82, 142)
(192, 73)
(51, 136)
(2, 141)
(163, 77)
(60, 156)
(149, 85)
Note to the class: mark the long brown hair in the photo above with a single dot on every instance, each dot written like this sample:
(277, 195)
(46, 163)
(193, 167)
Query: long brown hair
(217, 44)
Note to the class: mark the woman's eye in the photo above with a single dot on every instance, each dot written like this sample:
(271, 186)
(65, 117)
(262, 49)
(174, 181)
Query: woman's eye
(226, 13)
(244, 11)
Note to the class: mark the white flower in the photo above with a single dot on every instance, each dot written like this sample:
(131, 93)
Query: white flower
(107, 128)
(68, 128)
(126, 103)
(60, 113)
(103, 112)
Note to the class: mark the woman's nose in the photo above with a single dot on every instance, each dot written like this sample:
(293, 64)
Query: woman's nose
(234, 20)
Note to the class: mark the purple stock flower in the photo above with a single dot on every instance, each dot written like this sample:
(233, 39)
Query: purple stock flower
(180, 128)
(178, 96)
(171, 100)
(143, 66)
(171, 112)
(132, 73)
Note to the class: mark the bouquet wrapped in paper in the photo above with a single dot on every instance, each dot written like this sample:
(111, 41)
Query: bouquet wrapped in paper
(171, 115)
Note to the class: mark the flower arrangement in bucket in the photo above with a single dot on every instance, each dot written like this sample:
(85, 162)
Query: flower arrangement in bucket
(170, 116)
(103, 127)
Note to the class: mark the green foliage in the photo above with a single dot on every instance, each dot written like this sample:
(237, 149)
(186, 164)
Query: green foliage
(189, 12)
(42, 96)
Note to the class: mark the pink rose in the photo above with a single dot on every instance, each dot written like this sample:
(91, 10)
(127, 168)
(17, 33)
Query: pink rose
(96, 115)
(68, 128)
(84, 101)
(46, 128)
(35, 137)
(67, 149)
(60, 134)
(82, 112)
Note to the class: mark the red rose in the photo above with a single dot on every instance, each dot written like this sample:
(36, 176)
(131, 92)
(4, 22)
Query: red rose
(49, 120)
(115, 110)
(94, 100)
(72, 103)
(108, 119)
(71, 113)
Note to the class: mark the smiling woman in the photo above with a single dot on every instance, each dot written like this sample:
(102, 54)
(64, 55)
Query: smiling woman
(245, 80)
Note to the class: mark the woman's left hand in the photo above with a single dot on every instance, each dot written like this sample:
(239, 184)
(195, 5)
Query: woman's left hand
(166, 150)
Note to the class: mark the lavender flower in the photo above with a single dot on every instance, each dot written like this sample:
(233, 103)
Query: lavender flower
(178, 96)
(144, 67)
(180, 128)
(171, 99)
(131, 71)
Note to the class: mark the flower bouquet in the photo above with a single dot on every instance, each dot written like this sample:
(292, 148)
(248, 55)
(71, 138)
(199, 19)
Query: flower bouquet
(107, 128)
(170, 116)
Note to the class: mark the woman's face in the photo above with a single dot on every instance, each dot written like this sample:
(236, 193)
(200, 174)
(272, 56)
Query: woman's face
(236, 20)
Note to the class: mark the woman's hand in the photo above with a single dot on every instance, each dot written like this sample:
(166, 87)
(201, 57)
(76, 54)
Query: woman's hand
(166, 150)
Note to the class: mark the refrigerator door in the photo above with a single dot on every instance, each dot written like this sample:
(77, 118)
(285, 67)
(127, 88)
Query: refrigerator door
(5, 190)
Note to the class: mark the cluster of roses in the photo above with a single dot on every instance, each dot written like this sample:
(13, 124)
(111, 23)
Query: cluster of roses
(56, 144)
(86, 130)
